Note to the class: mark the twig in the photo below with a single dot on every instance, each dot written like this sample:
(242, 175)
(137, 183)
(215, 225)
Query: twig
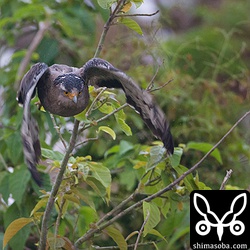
(129, 246)
(58, 130)
(151, 84)
(94, 102)
(103, 118)
(141, 230)
(131, 15)
(87, 140)
(58, 219)
(55, 188)
(158, 88)
(93, 231)
(43, 26)
(107, 26)
(226, 178)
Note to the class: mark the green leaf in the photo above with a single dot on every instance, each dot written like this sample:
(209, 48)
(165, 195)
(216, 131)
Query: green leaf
(18, 184)
(84, 196)
(175, 159)
(125, 147)
(28, 11)
(124, 126)
(188, 180)
(52, 155)
(205, 147)
(96, 186)
(117, 237)
(4, 185)
(157, 154)
(87, 216)
(107, 130)
(157, 233)
(100, 173)
(41, 203)
(105, 4)
(130, 23)
(138, 3)
(106, 108)
(152, 214)
(13, 228)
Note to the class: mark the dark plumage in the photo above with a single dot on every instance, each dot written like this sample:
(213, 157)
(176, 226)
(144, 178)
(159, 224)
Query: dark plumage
(63, 91)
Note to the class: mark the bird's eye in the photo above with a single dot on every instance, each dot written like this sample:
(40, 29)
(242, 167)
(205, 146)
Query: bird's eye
(80, 93)
(66, 92)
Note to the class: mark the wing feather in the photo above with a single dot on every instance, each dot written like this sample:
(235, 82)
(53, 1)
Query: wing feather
(102, 74)
(29, 130)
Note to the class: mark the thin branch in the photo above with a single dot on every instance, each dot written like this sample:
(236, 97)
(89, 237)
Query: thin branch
(43, 26)
(132, 15)
(58, 219)
(103, 118)
(151, 84)
(158, 88)
(226, 178)
(87, 140)
(94, 102)
(98, 229)
(55, 188)
(117, 208)
(107, 25)
(141, 230)
(58, 130)
(129, 246)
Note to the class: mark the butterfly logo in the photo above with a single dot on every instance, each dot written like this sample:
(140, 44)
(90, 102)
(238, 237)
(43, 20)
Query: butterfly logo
(203, 227)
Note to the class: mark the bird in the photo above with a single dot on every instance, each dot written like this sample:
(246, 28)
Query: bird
(63, 90)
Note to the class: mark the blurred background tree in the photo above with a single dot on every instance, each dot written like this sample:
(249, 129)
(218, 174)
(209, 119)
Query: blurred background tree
(202, 45)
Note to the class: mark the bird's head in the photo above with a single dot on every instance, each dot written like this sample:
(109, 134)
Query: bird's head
(70, 85)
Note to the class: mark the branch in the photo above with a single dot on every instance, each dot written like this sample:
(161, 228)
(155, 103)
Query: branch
(101, 226)
(55, 188)
(58, 130)
(226, 178)
(131, 15)
(107, 25)
(129, 246)
(158, 88)
(103, 118)
(141, 230)
(94, 102)
(58, 219)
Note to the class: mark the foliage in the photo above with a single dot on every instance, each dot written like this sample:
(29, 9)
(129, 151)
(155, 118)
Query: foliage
(116, 189)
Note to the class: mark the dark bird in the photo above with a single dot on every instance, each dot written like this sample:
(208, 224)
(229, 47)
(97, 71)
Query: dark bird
(63, 91)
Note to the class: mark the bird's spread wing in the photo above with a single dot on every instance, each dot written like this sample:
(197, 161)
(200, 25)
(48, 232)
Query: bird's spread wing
(29, 130)
(102, 74)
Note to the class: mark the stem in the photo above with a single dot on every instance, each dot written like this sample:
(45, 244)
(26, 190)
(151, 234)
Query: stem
(103, 118)
(107, 26)
(58, 219)
(58, 130)
(141, 230)
(55, 188)
(132, 15)
(226, 178)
